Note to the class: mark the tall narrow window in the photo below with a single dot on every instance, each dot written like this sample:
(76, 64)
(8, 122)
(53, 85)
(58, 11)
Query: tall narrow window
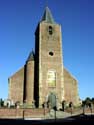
(50, 30)
(51, 78)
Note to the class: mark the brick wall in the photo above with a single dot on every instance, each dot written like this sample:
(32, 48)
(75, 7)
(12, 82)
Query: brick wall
(20, 113)
(80, 110)
(50, 63)
(71, 88)
(11, 113)
(29, 82)
(16, 86)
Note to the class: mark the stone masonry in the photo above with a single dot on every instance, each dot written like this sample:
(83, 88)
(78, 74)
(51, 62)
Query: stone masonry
(43, 78)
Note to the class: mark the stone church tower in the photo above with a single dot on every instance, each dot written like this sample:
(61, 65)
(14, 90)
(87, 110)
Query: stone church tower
(48, 54)
(43, 77)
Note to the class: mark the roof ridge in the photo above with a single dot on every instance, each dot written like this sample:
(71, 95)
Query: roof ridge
(31, 56)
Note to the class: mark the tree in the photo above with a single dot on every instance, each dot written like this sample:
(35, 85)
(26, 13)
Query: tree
(88, 102)
(63, 105)
(83, 103)
(92, 100)
(1, 102)
(83, 106)
(71, 106)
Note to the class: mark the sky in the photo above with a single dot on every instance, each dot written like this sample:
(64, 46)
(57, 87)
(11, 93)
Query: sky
(18, 21)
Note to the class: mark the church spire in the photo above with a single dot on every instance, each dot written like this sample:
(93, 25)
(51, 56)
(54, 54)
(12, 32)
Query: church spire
(47, 17)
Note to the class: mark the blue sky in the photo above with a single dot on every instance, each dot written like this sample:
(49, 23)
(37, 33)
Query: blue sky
(18, 21)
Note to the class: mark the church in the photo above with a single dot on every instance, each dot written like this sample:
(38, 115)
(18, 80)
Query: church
(43, 78)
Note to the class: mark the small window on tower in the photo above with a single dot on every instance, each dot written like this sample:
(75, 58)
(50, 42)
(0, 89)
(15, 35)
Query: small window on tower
(50, 30)
(51, 53)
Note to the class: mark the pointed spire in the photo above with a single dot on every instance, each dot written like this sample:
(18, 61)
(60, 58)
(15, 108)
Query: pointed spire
(47, 17)
(31, 56)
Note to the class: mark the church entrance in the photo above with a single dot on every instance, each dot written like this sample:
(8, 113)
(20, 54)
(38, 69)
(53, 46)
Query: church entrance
(52, 101)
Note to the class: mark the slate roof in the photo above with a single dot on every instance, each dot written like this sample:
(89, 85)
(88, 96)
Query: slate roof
(47, 17)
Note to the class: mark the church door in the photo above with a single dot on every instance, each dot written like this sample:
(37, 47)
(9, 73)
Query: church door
(52, 100)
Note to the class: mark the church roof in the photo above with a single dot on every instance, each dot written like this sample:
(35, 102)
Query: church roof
(31, 56)
(47, 17)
